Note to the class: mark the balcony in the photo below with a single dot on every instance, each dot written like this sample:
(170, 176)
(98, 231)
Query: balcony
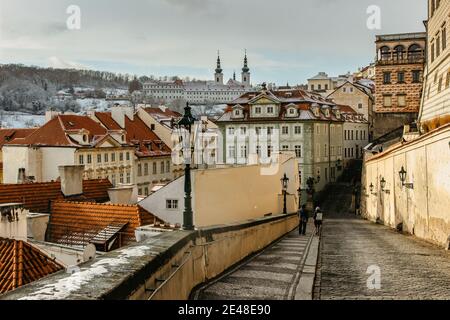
(396, 61)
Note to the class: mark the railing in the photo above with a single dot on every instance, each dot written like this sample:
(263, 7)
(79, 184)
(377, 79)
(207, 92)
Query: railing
(394, 61)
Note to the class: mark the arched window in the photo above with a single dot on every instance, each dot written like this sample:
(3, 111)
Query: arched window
(385, 53)
(415, 52)
(399, 52)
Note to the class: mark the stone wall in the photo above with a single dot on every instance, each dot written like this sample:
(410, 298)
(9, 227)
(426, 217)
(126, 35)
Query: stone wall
(421, 210)
(167, 267)
(384, 123)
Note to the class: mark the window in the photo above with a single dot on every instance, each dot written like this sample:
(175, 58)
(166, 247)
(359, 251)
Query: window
(128, 177)
(243, 151)
(401, 100)
(285, 148)
(386, 77)
(113, 180)
(231, 131)
(270, 110)
(121, 156)
(401, 77)
(298, 151)
(128, 156)
(257, 110)
(168, 166)
(258, 150)
(269, 131)
(171, 204)
(99, 158)
(258, 131)
(447, 83)
(444, 37)
(113, 157)
(89, 158)
(387, 101)
(155, 168)
(121, 178)
(357, 135)
(231, 152)
(360, 106)
(269, 151)
(432, 52)
(237, 113)
(139, 170)
(81, 159)
(146, 169)
(285, 130)
(243, 130)
(298, 130)
(291, 111)
(163, 168)
(106, 157)
(416, 76)
(440, 84)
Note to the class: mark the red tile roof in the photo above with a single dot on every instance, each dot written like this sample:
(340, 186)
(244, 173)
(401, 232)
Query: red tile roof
(158, 111)
(8, 135)
(55, 132)
(77, 223)
(138, 134)
(36, 197)
(22, 263)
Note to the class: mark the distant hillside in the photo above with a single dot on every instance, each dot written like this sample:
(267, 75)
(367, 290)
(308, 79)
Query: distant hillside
(31, 89)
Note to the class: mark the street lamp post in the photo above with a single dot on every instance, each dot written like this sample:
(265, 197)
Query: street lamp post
(284, 185)
(185, 124)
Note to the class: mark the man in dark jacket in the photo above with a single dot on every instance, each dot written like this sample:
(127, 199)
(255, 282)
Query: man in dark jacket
(304, 217)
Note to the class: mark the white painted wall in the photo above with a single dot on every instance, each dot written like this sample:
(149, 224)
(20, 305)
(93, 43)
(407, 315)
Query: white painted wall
(424, 210)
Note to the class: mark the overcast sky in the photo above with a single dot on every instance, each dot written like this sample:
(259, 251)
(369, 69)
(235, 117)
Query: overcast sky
(286, 40)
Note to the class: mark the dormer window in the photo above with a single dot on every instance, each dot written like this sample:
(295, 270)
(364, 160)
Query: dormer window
(237, 113)
(85, 138)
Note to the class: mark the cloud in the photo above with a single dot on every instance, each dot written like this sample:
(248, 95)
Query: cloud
(57, 63)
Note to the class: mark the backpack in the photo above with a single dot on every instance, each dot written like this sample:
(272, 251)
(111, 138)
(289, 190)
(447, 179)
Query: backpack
(319, 216)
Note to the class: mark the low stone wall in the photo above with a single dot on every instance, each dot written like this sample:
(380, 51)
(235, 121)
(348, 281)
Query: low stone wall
(167, 267)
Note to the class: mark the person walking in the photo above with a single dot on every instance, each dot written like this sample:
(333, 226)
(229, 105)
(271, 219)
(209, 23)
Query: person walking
(318, 220)
(304, 217)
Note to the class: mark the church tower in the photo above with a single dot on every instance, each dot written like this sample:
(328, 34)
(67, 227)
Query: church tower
(218, 76)
(246, 72)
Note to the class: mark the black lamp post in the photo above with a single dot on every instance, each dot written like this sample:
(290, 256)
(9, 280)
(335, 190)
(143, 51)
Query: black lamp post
(382, 184)
(284, 185)
(185, 126)
(402, 175)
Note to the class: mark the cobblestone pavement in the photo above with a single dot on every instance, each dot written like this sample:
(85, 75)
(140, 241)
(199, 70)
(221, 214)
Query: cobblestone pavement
(410, 268)
(271, 275)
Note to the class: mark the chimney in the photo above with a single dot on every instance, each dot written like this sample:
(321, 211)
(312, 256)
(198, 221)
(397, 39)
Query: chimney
(21, 178)
(13, 221)
(123, 195)
(71, 180)
(119, 112)
(50, 115)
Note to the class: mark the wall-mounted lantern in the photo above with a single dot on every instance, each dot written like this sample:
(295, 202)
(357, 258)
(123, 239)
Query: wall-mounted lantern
(402, 173)
(371, 187)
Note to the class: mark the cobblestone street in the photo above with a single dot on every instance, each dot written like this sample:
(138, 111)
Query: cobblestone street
(410, 268)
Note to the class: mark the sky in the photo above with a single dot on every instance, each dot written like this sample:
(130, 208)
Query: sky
(288, 41)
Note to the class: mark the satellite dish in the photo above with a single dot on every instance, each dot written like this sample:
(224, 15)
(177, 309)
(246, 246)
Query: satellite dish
(89, 252)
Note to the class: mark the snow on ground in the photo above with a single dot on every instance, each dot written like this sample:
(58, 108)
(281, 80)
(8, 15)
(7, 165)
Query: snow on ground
(20, 120)
(98, 104)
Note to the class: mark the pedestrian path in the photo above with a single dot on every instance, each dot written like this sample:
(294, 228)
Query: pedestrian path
(273, 274)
